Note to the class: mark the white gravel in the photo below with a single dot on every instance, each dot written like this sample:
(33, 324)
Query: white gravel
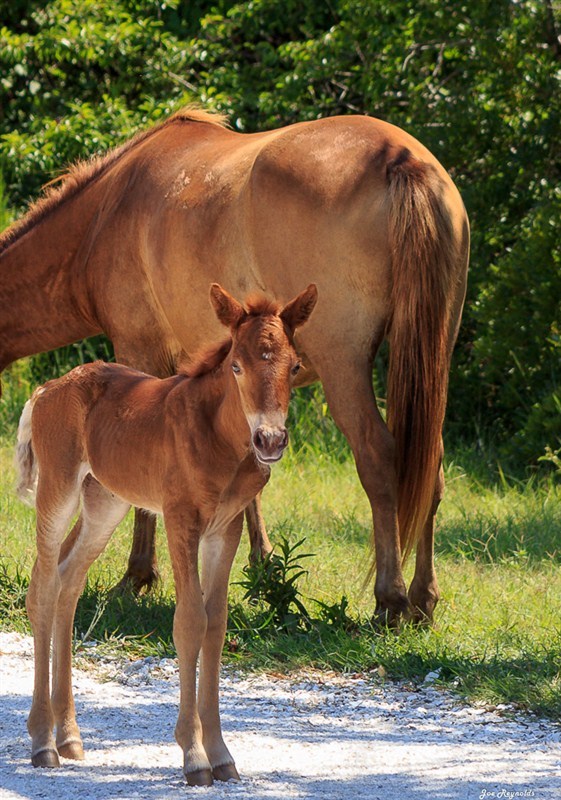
(317, 737)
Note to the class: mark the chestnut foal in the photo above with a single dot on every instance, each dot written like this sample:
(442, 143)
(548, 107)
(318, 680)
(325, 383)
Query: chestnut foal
(195, 448)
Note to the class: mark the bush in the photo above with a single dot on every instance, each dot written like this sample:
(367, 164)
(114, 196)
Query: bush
(478, 83)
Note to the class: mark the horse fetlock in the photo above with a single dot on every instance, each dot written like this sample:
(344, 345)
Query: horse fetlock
(222, 763)
(259, 551)
(196, 765)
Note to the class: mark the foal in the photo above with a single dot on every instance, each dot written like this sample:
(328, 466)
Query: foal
(195, 448)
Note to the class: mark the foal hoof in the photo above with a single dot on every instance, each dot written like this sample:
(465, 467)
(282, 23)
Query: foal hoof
(73, 749)
(200, 777)
(226, 772)
(45, 758)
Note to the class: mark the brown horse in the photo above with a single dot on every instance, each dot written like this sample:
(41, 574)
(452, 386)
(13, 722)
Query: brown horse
(128, 243)
(209, 440)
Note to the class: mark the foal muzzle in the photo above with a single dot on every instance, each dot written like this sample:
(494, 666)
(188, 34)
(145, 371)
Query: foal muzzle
(269, 444)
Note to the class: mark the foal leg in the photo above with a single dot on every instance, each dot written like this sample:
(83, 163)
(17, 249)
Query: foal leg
(55, 508)
(189, 629)
(424, 593)
(217, 554)
(101, 513)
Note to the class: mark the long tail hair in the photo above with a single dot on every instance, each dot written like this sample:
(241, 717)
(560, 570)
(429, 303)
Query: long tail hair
(25, 462)
(423, 253)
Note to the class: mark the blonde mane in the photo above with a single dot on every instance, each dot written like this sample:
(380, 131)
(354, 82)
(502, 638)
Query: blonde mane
(82, 173)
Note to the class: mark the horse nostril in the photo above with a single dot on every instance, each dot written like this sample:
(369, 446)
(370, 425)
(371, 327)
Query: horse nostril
(270, 442)
(259, 439)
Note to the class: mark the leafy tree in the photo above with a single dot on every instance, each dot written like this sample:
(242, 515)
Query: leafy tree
(477, 82)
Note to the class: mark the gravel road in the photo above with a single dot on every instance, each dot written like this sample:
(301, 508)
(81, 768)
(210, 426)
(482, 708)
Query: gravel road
(313, 737)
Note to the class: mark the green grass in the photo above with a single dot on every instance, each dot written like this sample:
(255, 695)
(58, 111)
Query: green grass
(497, 633)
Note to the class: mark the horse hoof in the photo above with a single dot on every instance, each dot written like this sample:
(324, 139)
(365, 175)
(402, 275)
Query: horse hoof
(226, 772)
(45, 758)
(73, 750)
(199, 777)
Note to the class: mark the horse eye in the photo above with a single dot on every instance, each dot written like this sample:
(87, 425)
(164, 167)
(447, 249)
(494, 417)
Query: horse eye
(296, 369)
(236, 368)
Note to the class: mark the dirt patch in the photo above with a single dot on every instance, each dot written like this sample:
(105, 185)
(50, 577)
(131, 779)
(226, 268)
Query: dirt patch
(324, 737)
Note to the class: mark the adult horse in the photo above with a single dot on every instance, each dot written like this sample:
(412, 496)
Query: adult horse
(128, 244)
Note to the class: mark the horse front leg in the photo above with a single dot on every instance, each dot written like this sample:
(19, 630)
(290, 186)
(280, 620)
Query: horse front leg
(259, 543)
(142, 569)
(217, 551)
(189, 629)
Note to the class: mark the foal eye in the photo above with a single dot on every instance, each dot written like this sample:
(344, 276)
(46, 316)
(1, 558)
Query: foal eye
(296, 369)
(236, 368)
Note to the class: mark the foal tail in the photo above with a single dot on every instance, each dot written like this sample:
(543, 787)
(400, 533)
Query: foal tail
(424, 256)
(25, 461)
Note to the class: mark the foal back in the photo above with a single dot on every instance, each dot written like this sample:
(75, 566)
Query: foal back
(104, 407)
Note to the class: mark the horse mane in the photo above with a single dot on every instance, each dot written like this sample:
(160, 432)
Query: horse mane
(80, 174)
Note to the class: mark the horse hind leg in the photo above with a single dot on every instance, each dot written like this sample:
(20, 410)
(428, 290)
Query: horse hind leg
(56, 506)
(101, 513)
(424, 593)
(348, 388)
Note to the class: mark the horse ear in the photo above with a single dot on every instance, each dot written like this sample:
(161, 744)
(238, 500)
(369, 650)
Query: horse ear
(296, 313)
(228, 310)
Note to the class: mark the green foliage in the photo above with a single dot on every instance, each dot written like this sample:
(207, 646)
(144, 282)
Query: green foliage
(478, 83)
(80, 76)
(272, 582)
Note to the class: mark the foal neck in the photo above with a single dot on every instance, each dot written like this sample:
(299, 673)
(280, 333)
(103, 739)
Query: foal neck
(230, 421)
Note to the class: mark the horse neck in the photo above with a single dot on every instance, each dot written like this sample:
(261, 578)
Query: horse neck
(43, 291)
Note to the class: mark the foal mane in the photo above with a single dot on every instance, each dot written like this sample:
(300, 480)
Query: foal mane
(207, 360)
(256, 305)
(80, 174)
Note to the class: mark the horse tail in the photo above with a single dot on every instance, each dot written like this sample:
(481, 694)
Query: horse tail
(25, 461)
(423, 266)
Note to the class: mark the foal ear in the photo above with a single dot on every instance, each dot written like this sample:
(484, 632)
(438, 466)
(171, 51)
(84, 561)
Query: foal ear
(296, 313)
(228, 310)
